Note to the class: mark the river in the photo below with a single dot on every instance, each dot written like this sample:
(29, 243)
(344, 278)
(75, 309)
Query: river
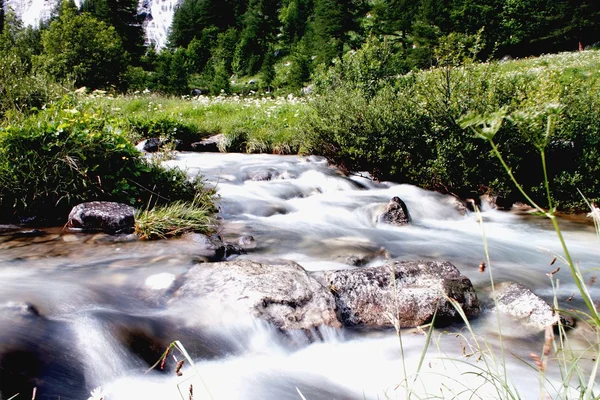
(81, 311)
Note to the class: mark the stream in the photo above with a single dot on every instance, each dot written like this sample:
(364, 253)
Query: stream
(83, 311)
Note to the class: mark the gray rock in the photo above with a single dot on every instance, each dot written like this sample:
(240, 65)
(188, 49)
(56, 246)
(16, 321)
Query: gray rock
(213, 144)
(396, 213)
(521, 303)
(151, 145)
(247, 242)
(102, 216)
(408, 291)
(282, 294)
(359, 260)
(261, 174)
(212, 248)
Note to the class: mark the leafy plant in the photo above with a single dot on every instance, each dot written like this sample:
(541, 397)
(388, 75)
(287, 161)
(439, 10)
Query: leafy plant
(65, 155)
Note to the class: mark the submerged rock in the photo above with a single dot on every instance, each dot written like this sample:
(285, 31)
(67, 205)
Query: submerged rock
(282, 294)
(408, 291)
(396, 213)
(102, 216)
(212, 248)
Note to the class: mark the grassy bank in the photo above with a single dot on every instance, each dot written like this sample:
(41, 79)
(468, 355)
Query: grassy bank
(71, 152)
(363, 117)
(254, 124)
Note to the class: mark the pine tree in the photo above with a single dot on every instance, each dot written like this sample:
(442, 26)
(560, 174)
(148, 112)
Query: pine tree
(193, 16)
(267, 71)
(294, 16)
(178, 73)
(123, 16)
(301, 65)
(333, 21)
(220, 83)
(260, 25)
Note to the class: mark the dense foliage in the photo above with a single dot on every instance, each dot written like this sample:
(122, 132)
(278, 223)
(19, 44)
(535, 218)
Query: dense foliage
(220, 45)
(68, 154)
(407, 127)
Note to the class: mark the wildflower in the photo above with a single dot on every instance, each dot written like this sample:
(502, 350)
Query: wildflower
(97, 394)
(595, 214)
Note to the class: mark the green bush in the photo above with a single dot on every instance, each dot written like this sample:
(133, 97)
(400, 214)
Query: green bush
(405, 127)
(164, 127)
(61, 157)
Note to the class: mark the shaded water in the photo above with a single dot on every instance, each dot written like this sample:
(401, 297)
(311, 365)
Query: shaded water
(100, 318)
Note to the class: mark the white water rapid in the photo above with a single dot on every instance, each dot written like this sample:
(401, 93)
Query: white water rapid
(102, 322)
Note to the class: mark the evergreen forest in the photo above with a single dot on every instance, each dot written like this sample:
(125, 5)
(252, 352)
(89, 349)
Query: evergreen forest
(223, 46)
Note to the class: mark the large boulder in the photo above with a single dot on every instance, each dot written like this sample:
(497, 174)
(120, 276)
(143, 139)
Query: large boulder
(396, 213)
(404, 291)
(282, 294)
(102, 216)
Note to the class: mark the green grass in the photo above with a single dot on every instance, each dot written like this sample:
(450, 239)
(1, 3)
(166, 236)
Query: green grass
(252, 124)
(177, 218)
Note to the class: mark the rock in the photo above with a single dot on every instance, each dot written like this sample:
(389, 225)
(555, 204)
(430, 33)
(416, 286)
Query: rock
(115, 238)
(282, 294)
(521, 303)
(359, 260)
(151, 145)
(259, 174)
(247, 242)
(369, 296)
(212, 144)
(212, 248)
(103, 216)
(396, 213)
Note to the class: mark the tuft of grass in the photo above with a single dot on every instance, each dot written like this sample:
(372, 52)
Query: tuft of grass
(177, 218)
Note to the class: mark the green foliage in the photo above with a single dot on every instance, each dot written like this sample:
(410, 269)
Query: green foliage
(170, 75)
(80, 48)
(67, 154)
(122, 15)
(260, 25)
(22, 90)
(406, 128)
(220, 81)
(160, 126)
(267, 71)
(301, 67)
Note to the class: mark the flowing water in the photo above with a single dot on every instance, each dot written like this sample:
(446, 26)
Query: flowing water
(81, 311)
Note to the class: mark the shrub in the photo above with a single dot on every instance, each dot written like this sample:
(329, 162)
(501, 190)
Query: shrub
(405, 127)
(164, 127)
(61, 157)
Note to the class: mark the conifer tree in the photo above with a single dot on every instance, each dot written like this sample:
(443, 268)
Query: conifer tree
(260, 25)
(267, 71)
(294, 16)
(123, 16)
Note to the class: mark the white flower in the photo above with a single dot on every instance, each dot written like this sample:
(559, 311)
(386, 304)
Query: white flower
(97, 394)
(595, 214)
